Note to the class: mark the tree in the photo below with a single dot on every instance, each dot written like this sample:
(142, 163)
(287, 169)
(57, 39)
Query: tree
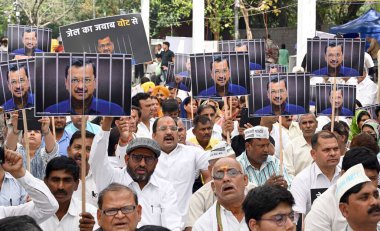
(45, 12)
(219, 16)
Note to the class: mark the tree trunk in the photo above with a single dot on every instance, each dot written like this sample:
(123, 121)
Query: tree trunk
(244, 11)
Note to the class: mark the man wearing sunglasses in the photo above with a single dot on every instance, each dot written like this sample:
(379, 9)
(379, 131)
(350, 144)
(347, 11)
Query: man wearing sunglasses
(156, 196)
(228, 184)
(269, 208)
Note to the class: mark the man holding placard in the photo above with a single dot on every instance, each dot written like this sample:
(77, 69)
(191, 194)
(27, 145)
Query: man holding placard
(80, 82)
(19, 86)
(277, 93)
(221, 74)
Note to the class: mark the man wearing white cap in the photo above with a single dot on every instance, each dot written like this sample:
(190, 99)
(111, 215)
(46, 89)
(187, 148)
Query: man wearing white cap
(325, 214)
(205, 197)
(358, 200)
(257, 162)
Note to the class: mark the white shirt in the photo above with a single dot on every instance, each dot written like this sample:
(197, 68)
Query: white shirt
(208, 221)
(202, 200)
(325, 214)
(368, 61)
(366, 92)
(216, 132)
(91, 190)
(143, 130)
(323, 120)
(42, 206)
(180, 167)
(70, 221)
(158, 198)
(297, 156)
(309, 178)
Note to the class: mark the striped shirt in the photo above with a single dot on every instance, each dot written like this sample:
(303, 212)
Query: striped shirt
(39, 161)
(269, 168)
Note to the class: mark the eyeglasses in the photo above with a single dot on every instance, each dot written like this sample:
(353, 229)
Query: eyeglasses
(280, 219)
(125, 210)
(15, 83)
(77, 81)
(149, 160)
(232, 172)
(172, 128)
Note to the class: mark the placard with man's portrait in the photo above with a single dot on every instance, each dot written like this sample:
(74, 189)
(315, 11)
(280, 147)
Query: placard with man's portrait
(178, 75)
(344, 100)
(83, 84)
(279, 94)
(16, 84)
(27, 40)
(255, 49)
(335, 57)
(121, 34)
(219, 74)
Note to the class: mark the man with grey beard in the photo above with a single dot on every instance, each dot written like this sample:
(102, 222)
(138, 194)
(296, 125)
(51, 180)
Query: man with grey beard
(156, 196)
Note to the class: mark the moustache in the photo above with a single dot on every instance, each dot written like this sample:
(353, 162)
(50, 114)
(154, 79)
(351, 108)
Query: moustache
(60, 191)
(374, 209)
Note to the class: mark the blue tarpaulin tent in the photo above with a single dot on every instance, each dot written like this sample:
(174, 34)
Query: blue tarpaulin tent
(366, 25)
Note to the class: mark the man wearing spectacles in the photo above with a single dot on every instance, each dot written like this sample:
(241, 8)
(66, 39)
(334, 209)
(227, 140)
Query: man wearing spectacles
(80, 82)
(178, 163)
(221, 74)
(19, 86)
(105, 45)
(118, 208)
(156, 196)
(269, 208)
(62, 178)
(277, 93)
(228, 184)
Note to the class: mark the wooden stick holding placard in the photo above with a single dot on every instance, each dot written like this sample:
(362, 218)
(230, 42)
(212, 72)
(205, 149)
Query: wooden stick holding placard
(333, 105)
(191, 108)
(281, 153)
(226, 116)
(83, 163)
(378, 76)
(26, 137)
(53, 127)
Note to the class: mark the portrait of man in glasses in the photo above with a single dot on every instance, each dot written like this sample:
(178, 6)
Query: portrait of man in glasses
(19, 86)
(81, 83)
(277, 93)
(221, 75)
(105, 45)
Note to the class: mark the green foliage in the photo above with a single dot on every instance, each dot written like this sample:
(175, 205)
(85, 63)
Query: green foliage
(219, 16)
(168, 14)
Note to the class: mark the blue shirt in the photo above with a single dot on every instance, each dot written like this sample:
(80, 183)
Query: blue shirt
(180, 87)
(233, 90)
(254, 66)
(343, 71)
(343, 112)
(21, 51)
(91, 127)
(270, 167)
(63, 143)
(290, 109)
(10, 104)
(12, 193)
(98, 107)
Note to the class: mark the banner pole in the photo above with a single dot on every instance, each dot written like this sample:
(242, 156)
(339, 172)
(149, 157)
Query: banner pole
(83, 163)
(26, 137)
(333, 105)
(281, 153)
